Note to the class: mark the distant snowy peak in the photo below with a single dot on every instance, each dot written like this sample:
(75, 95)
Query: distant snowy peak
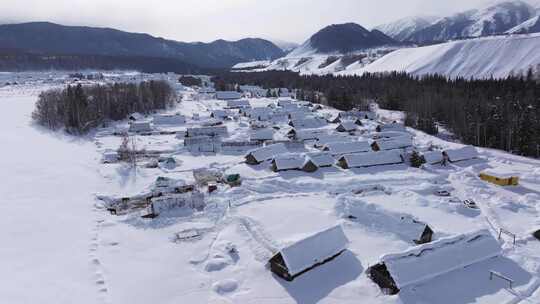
(530, 26)
(490, 20)
(401, 29)
(343, 39)
(286, 46)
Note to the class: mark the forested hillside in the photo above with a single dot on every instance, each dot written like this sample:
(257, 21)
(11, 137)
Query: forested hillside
(502, 114)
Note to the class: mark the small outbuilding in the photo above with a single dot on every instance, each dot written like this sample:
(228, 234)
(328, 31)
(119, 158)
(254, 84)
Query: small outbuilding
(500, 178)
(427, 261)
(306, 254)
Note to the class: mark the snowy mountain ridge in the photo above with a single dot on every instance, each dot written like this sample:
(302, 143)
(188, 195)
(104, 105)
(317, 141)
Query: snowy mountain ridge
(497, 56)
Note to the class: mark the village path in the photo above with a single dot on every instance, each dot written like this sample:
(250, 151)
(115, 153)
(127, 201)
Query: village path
(47, 187)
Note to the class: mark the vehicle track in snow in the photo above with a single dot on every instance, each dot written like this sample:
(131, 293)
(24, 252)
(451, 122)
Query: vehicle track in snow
(264, 246)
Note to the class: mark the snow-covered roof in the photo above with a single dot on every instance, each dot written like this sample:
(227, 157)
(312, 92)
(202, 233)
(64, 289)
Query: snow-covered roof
(390, 134)
(207, 131)
(207, 90)
(433, 157)
(314, 249)
(357, 114)
(288, 162)
(308, 123)
(395, 143)
(369, 159)
(501, 173)
(392, 127)
(430, 260)
(228, 95)
(307, 134)
(268, 152)
(262, 134)
(332, 138)
(220, 114)
(347, 125)
(465, 153)
(379, 218)
(140, 126)
(321, 159)
(240, 103)
(340, 148)
(136, 116)
(168, 119)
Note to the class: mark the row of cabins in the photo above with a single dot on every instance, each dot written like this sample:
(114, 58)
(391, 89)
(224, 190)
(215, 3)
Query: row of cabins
(394, 271)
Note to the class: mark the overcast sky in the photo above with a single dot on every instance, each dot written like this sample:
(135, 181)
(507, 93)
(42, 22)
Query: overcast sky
(207, 20)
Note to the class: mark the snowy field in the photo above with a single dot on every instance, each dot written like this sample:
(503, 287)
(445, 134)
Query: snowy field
(62, 246)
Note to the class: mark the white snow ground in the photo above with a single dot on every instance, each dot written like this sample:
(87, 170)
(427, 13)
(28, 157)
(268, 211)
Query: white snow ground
(61, 247)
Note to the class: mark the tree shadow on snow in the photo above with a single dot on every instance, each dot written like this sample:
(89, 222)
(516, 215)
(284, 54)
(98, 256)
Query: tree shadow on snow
(467, 285)
(316, 284)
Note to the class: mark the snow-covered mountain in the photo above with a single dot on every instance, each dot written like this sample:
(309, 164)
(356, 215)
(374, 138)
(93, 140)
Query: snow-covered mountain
(530, 26)
(342, 39)
(490, 20)
(403, 28)
(497, 56)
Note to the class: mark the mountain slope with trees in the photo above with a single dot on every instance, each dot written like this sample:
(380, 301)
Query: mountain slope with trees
(50, 38)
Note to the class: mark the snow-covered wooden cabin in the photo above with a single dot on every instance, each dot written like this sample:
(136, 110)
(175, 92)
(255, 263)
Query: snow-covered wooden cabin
(287, 163)
(261, 135)
(207, 131)
(306, 254)
(257, 156)
(342, 148)
(169, 119)
(140, 126)
(391, 127)
(238, 104)
(370, 159)
(228, 95)
(465, 153)
(317, 160)
(428, 261)
(347, 126)
(354, 114)
(404, 225)
(391, 144)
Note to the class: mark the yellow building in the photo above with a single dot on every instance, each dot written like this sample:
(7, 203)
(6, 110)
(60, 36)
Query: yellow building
(498, 178)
